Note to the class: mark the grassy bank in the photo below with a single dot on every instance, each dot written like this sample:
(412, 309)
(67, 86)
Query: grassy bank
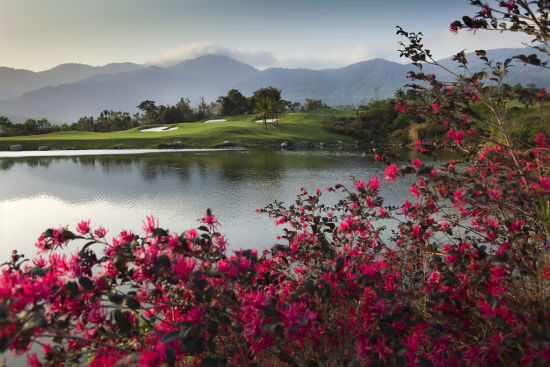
(298, 128)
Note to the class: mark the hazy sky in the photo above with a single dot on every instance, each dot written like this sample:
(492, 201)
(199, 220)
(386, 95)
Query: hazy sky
(40, 34)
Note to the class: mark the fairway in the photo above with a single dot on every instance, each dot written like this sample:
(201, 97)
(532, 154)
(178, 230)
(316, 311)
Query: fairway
(298, 128)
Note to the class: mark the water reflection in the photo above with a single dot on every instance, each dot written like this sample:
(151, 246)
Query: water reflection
(118, 191)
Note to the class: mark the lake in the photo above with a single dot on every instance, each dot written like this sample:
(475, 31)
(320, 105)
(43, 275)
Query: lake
(118, 189)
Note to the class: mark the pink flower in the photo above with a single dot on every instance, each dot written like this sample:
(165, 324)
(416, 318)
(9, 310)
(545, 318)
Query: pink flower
(391, 172)
(191, 234)
(453, 28)
(510, 5)
(545, 182)
(417, 163)
(83, 227)
(374, 183)
(435, 107)
(209, 219)
(377, 158)
(542, 93)
(183, 267)
(444, 225)
(228, 269)
(475, 98)
(452, 164)
(100, 232)
(486, 10)
(541, 141)
(195, 315)
(401, 108)
(149, 224)
(360, 185)
(414, 191)
(244, 263)
(456, 136)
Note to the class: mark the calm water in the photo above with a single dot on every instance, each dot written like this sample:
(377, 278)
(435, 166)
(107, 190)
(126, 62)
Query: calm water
(119, 190)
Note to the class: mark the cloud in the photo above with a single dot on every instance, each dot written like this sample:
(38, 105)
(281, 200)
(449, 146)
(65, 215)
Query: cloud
(341, 58)
(446, 43)
(259, 59)
(442, 45)
(262, 59)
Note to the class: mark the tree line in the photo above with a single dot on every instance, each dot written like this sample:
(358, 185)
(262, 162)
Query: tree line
(266, 102)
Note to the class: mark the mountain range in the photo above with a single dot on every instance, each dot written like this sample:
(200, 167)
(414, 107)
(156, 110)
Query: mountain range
(70, 91)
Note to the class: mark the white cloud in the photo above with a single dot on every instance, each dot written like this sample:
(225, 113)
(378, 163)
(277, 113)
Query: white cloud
(442, 44)
(446, 43)
(259, 59)
(262, 59)
(338, 59)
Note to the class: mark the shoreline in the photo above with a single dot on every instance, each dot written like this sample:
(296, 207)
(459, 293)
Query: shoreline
(176, 147)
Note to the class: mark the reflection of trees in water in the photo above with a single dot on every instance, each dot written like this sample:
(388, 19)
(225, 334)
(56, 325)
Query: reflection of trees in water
(6, 164)
(32, 162)
(229, 166)
(115, 165)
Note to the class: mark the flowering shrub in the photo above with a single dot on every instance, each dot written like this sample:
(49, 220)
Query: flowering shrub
(460, 276)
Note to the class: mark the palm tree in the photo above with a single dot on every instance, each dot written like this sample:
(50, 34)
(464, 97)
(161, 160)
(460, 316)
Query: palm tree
(264, 107)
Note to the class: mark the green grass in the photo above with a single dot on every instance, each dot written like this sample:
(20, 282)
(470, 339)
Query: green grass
(298, 128)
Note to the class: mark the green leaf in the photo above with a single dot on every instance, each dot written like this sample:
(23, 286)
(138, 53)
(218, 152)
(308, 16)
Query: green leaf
(171, 336)
(68, 235)
(122, 321)
(210, 362)
(116, 299)
(171, 356)
(86, 283)
(132, 303)
(164, 261)
(340, 262)
(34, 321)
(159, 232)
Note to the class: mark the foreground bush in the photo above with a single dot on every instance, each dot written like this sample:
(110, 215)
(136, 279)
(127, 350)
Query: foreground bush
(459, 276)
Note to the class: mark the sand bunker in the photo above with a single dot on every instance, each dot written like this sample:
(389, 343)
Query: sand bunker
(159, 129)
(217, 120)
(268, 120)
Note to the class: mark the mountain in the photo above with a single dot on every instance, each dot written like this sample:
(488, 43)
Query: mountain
(207, 76)
(15, 82)
(352, 84)
(518, 73)
(211, 76)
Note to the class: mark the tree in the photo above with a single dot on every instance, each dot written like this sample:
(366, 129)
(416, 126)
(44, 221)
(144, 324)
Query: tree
(296, 107)
(109, 120)
(271, 93)
(85, 123)
(34, 127)
(264, 107)
(5, 125)
(203, 110)
(233, 104)
(314, 104)
(150, 111)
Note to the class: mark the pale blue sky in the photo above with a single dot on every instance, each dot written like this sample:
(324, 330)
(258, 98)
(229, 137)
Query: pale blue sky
(39, 34)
